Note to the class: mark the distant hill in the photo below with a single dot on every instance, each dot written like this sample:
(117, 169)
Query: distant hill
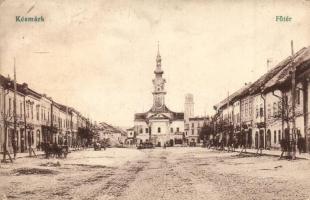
(103, 126)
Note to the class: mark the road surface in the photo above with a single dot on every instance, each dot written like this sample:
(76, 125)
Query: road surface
(172, 173)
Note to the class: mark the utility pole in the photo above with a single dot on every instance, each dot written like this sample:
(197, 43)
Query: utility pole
(14, 115)
(293, 90)
(67, 124)
(228, 112)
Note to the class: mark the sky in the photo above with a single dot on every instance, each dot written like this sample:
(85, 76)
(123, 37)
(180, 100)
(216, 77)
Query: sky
(99, 56)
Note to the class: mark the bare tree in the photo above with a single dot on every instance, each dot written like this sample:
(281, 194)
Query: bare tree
(286, 114)
(5, 118)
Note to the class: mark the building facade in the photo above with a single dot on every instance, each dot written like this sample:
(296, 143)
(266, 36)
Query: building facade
(159, 125)
(274, 107)
(192, 136)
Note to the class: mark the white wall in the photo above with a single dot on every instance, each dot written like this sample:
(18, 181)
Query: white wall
(177, 124)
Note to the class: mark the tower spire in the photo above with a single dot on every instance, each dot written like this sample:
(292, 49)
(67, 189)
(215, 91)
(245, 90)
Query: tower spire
(157, 47)
(159, 85)
(158, 58)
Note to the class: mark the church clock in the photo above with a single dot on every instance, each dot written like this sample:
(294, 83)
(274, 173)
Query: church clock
(158, 102)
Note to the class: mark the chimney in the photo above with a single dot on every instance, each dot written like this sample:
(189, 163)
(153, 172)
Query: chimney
(269, 64)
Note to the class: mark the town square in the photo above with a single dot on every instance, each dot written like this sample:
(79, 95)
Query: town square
(128, 100)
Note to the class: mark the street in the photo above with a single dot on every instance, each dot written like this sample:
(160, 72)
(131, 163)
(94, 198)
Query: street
(172, 173)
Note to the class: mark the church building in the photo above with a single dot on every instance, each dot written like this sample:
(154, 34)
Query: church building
(159, 125)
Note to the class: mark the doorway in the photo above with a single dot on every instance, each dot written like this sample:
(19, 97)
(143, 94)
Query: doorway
(268, 140)
(261, 139)
(256, 140)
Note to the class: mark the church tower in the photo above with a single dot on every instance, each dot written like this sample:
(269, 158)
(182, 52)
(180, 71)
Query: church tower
(159, 86)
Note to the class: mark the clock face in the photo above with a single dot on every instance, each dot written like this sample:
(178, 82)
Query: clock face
(158, 102)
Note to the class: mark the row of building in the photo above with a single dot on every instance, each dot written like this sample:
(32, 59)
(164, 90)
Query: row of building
(37, 118)
(258, 115)
(274, 107)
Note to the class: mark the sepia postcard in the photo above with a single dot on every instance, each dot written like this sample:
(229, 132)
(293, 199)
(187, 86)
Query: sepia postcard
(155, 100)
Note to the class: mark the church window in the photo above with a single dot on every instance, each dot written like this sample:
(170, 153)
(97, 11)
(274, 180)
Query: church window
(158, 130)
(171, 130)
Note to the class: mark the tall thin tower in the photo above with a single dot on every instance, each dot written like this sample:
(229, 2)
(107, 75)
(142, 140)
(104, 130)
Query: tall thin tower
(188, 107)
(159, 85)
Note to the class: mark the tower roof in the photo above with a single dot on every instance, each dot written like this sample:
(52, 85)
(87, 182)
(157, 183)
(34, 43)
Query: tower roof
(158, 69)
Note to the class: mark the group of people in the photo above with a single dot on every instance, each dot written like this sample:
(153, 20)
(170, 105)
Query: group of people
(54, 149)
(231, 142)
(288, 146)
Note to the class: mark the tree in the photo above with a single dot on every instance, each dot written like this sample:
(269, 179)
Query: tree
(286, 113)
(5, 118)
(205, 132)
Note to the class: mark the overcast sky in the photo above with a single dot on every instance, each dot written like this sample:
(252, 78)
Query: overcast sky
(99, 56)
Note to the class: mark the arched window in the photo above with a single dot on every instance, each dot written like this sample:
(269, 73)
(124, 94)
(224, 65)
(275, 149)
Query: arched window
(158, 130)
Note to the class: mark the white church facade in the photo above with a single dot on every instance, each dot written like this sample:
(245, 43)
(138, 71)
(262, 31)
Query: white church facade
(159, 125)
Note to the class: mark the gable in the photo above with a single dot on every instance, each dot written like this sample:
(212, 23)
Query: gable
(158, 116)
